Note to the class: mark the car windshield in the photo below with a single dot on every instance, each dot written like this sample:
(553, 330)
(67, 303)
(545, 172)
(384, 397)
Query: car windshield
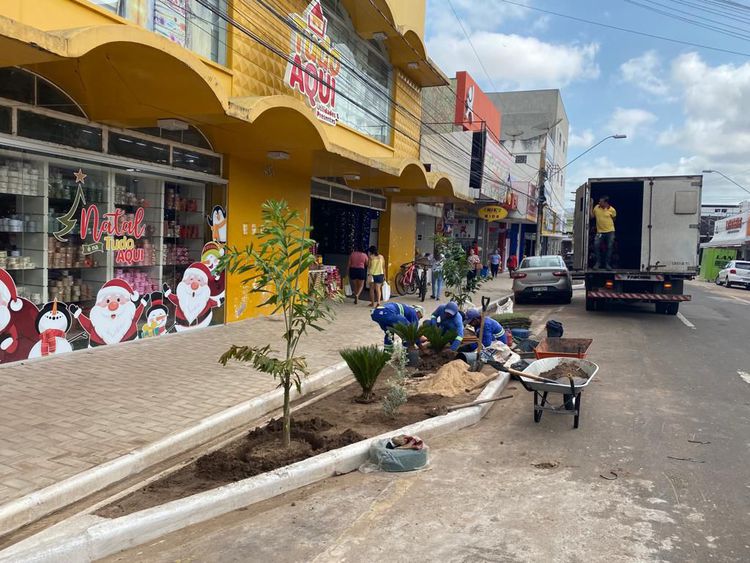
(541, 262)
(742, 265)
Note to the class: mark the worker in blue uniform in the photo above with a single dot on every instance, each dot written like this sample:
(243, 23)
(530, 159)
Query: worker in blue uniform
(448, 318)
(390, 314)
(493, 330)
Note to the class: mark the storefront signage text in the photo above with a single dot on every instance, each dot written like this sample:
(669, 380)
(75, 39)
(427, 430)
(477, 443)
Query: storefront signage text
(119, 234)
(734, 223)
(493, 213)
(315, 63)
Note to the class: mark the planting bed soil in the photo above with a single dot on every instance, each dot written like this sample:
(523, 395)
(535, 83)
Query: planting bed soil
(564, 370)
(332, 422)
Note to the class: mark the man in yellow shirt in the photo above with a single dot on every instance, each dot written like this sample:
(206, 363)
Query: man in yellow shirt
(605, 216)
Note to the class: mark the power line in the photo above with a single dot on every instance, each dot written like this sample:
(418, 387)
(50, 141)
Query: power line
(471, 44)
(627, 30)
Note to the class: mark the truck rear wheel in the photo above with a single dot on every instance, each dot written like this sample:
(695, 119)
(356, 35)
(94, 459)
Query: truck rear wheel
(661, 308)
(591, 304)
(673, 308)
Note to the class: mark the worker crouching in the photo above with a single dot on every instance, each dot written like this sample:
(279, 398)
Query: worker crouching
(447, 318)
(390, 314)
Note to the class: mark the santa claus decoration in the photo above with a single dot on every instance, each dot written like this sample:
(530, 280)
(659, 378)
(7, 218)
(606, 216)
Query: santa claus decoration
(192, 300)
(157, 316)
(210, 256)
(17, 322)
(114, 317)
(52, 324)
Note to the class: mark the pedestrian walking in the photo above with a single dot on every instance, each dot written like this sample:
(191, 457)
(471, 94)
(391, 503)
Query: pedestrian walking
(357, 272)
(475, 265)
(495, 259)
(512, 264)
(437, 276)
(375, 275)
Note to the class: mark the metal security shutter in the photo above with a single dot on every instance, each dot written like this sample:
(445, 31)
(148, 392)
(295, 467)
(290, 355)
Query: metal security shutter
(323, 189)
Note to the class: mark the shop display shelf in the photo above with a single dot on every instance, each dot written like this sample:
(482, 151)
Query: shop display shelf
(79, 267)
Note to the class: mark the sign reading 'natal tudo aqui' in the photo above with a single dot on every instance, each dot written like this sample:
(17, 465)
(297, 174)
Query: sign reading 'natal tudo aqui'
(314, 63)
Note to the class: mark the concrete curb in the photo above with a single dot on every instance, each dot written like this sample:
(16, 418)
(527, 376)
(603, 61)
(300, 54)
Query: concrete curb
(34, 506)
(101, 537)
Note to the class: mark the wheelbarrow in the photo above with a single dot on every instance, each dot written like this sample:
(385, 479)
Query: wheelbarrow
(570, 388)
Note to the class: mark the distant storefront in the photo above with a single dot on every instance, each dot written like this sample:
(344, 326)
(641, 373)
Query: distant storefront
(731, 240)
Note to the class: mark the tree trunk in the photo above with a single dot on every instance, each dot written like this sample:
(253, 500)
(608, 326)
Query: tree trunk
(287, 415)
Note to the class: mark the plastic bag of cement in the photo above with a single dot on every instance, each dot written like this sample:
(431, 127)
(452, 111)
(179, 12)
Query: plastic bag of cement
(505, 306)
(383, 457)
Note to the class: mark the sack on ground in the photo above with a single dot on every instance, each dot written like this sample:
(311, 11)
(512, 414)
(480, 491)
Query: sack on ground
(505, 306)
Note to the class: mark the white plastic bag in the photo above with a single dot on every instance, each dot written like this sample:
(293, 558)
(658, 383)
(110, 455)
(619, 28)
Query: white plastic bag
(347, 288)
(386, 290)
(505, 307)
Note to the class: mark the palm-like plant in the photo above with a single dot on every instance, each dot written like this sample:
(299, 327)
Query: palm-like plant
(437, 338)
(274, 269)
(408, 332)
(366, 363)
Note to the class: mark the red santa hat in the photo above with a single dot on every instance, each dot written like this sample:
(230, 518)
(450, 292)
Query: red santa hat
(9, 292)
(198, 269)
(120, 286)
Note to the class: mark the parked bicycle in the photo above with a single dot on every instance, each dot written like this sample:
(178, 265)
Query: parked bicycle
(412, 279)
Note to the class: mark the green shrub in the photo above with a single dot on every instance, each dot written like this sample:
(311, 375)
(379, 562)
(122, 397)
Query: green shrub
(408, 332)
(438, 339)
(366, 363)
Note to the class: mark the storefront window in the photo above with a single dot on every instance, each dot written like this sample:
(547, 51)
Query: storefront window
(366, 76)
(92, 255)
(186, 22)
(28, 88)
(53, 130)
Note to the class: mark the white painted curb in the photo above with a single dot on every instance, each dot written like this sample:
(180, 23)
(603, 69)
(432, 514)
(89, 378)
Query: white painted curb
(34, 506)
(105, 537)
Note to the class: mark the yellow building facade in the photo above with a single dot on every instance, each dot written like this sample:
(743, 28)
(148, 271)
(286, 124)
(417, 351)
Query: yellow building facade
(280, 92)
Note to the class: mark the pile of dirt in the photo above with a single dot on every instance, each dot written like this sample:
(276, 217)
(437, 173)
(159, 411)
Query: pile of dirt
(431, 361)
(452, 380)
(564, 370)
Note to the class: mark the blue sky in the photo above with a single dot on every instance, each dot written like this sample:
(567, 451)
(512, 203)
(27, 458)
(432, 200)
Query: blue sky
(683, 108)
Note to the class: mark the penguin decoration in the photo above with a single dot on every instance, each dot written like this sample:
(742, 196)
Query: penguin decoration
(218, 223)
(52, 324)
(157, 316)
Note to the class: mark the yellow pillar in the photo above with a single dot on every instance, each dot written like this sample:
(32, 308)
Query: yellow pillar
(397, 236)
(248, 188)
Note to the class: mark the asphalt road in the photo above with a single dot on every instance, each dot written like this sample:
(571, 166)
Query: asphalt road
(657, 471)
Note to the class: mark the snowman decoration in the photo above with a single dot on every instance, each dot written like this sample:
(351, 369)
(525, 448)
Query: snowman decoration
(52, 324)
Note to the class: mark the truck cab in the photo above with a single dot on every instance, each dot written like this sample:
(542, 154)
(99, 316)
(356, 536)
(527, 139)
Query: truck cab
(656, 240)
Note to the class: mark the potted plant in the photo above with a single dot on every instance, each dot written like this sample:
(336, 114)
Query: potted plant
(410, 336)
(274, 268)
(366, 363)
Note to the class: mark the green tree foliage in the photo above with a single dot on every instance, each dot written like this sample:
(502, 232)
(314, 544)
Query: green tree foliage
(366, 363)
(275, 267)
(455, 270)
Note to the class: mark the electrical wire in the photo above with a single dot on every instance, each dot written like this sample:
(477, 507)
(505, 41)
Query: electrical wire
(471, 44)
(626, 30)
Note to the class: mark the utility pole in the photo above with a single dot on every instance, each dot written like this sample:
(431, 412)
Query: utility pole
(541, 197)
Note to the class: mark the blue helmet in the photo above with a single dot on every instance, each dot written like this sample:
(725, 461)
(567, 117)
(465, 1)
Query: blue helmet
(451, 309)
(473, 314)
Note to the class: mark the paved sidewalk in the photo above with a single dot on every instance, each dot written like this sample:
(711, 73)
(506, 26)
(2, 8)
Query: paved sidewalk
(61, 416)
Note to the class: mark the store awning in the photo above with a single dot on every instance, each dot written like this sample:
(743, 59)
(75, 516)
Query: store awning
(727, 239)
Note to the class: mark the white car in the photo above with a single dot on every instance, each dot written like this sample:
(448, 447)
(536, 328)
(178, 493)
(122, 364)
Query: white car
(736, 272)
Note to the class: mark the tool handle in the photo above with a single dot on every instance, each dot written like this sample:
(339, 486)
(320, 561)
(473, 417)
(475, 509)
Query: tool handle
(485, 302)
(528, 375)
(467, 405)
(483, 383)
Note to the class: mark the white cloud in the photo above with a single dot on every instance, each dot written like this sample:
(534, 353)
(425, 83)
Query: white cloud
(715, 104)
(585, 139)
(514, 61)
(475, 15)
(646, 72)
(629, 121)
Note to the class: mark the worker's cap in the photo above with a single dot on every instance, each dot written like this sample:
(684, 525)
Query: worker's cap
(473, 314)
(451, 309)
(420, 310)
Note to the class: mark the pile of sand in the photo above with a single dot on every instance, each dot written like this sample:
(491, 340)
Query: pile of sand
(452, 380)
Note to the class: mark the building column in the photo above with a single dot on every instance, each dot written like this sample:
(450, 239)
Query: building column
(397, 237)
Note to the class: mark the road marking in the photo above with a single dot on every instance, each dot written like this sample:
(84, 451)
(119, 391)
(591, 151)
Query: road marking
(744, 376)
(740, 299)
(686, 322)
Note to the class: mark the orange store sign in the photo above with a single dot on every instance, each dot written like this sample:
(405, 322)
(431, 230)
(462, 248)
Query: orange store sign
(315, 63)
(735, 223)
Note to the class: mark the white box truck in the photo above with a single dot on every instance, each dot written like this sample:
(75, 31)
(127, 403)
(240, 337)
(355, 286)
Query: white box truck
(656, 240)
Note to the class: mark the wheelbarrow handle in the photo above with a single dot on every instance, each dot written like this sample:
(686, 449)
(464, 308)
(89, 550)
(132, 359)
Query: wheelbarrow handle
(527, 375)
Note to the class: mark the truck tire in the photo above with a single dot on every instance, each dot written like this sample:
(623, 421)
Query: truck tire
(673, 308)
(661, 308)
(591, 304)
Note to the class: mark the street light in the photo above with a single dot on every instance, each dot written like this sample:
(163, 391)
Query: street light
(592, 147)
(542, 198)
(727, 177)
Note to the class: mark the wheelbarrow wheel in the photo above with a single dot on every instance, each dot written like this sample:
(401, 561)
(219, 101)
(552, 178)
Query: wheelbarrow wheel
(578, 410)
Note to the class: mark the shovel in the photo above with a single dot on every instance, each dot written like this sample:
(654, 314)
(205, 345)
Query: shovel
(478, 362)
(438, 411)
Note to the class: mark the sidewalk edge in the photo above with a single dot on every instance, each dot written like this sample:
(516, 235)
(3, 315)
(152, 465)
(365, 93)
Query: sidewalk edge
(107, 537)
(28, 509)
